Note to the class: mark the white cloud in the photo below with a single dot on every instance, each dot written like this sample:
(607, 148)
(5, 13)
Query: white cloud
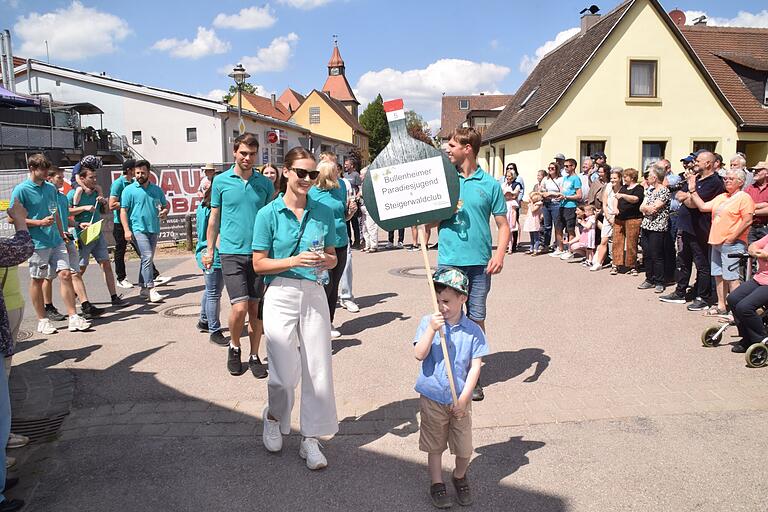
(742, 19)
(213, 94)
(421, 89)
(434, 125)
(527, 63)
(247, 18)
(274, 57)
(204, 44)
(304, 4)
(68, 34)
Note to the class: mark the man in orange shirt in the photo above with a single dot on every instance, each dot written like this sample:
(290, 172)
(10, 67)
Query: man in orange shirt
(732, 214)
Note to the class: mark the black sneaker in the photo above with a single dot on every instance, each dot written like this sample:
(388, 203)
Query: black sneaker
(477, 394)
(673, 298)
(463, 494)
(697, 305)
(53, 314)
(202, 326)
(738, 348)
(90, 309)
(439, 495)
(234, 365)
(645, 285)
(117, 300)
(217, 338)
(258, 369)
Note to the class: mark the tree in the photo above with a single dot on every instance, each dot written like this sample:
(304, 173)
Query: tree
(374, 120)
(417, 128)
(249, 88)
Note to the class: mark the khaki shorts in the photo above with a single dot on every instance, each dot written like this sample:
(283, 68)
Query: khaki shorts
(440, 429)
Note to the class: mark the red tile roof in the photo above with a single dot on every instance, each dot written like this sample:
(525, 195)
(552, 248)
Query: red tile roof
(451, 117)
(336, 59)
(725, 52)
(264, 106)
(291, 99)
(338, 87)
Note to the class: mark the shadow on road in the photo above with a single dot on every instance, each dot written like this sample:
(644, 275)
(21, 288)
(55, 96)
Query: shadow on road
(360, 323)
(503, 366)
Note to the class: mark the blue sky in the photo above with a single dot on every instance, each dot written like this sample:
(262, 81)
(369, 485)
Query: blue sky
(416, 49)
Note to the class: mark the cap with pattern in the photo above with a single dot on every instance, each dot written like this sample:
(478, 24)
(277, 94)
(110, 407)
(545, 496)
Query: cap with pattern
(452, 278)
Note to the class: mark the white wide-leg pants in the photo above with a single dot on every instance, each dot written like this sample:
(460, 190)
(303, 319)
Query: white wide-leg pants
(298, 330)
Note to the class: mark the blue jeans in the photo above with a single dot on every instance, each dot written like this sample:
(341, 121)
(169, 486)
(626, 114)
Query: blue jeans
(146, 242)
(479, 287)
(5, 423)
(551, 212)
(535, 240)
(210, 304)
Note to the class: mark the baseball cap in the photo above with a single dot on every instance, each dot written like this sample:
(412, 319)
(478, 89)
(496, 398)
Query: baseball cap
(452, 278)
(91, 162)
(688, 159)
(598, 154)
(559, 156)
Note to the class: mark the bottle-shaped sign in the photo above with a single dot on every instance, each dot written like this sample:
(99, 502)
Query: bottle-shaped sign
(410, 182)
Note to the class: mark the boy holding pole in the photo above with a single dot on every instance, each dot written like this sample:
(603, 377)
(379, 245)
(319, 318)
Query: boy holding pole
(446, 390)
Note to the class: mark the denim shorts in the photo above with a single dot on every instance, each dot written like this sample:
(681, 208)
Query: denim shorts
(479, 287)
(240, 280)
(97, 248)
(46, 263)
(722, 265)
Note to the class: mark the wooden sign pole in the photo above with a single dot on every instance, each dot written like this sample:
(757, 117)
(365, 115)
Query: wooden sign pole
(448, 366)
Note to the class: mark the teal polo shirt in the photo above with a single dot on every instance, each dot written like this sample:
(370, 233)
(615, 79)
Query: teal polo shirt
(238, 201)
(469, 242)
(336, 200)
(37, 199)
(85, 200)
(570, 185)
(141, 207)
(116, 191)
(202, 215)
(276, 230)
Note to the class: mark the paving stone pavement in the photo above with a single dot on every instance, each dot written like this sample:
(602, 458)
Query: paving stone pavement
(572, 351)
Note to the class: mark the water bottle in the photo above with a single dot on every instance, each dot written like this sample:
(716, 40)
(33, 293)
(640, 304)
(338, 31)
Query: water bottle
(321, 275)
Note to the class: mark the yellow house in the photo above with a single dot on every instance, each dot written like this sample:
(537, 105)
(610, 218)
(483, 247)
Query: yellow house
(640, 86)
(330, 122)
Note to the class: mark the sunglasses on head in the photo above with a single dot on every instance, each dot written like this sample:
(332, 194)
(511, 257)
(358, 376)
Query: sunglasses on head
(303, 173)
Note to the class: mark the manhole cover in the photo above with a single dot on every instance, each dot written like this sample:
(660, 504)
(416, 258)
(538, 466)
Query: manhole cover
(23, 335)
(182, 311)
(412, 272)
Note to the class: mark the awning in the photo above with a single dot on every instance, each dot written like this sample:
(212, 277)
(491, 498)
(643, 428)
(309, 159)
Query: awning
(84, 109)
(8, 98)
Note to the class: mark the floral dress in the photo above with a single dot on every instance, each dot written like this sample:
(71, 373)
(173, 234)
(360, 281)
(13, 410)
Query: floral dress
(13, 251)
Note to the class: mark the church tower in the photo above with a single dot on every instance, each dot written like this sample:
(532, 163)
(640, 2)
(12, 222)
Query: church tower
(336, 86)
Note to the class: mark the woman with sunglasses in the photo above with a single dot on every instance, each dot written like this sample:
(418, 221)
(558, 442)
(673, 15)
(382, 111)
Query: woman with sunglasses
(293, 241)
(551, 188)
(332, 192)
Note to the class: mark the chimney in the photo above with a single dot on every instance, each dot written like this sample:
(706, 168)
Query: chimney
(273, 100)
(588, 20)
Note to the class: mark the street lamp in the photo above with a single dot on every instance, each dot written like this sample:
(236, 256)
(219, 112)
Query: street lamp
(239, 76)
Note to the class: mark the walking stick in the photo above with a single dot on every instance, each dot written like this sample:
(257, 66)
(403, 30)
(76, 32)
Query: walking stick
(448, 366)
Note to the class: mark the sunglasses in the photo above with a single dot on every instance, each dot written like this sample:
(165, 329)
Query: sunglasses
(303, 173)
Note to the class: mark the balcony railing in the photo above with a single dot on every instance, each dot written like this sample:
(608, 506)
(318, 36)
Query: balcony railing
(18, 136)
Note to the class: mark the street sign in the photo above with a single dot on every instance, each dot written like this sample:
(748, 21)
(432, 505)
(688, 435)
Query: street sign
(272, 137)
(265, 156)
(241, 127)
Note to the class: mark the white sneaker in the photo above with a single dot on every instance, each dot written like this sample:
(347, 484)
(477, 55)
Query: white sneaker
(350, 306)
(310, 451)
(556, 253)
(78, 323)
(17, 440)
(271, 436)
(154, 296)
(125, 284)
(10, 462)
(45, 326)
(565, 255)
(161, 280)
(335, 334)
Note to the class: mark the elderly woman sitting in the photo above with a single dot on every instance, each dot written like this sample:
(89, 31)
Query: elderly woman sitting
(731, 218)
(750, 296)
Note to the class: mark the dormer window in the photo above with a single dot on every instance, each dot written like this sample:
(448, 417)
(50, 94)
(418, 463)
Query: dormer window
(463, 104)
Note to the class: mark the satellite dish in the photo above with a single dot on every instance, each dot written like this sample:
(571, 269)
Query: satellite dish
(678, 17)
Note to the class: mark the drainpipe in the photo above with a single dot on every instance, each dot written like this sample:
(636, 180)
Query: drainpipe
(492, 163)
(29, 76)
(224, 143)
